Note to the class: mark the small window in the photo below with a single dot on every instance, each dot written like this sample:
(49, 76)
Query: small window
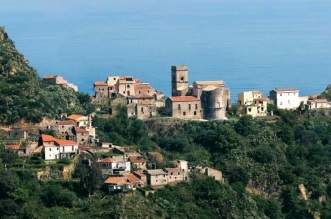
(128, 86)
(281, 103)
(182, 78)
(195, 113)
(50, 149)
(179, 106)
(249, 110)
(196, 106)
(189, 106)
(114, 79)
(184, 113)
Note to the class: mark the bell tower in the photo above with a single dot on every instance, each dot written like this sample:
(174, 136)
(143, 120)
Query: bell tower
(179, 80)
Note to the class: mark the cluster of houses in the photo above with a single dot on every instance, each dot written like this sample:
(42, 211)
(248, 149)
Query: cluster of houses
(126, 169)
(141, 99)
(207, 100)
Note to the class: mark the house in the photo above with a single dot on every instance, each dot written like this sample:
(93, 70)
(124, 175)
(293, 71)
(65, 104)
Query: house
(9, 133)
(81, 134)
(116, 184)
(216, 174)
(61, 127)
(138, 162)
(157, 177)
(318, 104)
(174, 175)
(252, 103)
(285, 98)
(85, 122)
(111, 166)
(142, 176)
(101, 90)
(20, 150)
(184, 107)
(54, 149)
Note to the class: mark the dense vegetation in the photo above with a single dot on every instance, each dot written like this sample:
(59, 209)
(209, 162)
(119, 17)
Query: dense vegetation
(24, 96)
(277, 167)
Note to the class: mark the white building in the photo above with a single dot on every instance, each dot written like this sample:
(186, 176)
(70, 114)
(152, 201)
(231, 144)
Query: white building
(285, 98)
(54, 149)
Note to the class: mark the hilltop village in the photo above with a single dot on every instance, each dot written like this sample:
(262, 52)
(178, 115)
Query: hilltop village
(125, 168)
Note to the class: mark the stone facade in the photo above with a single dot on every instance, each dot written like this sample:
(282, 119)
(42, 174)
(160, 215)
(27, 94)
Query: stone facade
(213, 97)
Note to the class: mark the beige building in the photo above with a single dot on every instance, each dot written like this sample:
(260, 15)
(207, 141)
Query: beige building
(318, 104)
(184, 107)
(253, 103)
(59, 80)
(157, 177)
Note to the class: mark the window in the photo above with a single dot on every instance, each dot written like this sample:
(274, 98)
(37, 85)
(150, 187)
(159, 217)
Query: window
(142, 109)
(195, 113)
(196, 106)
(281, 103)
(280, 94)
(128, 86)
(182, 78)
(50, 149)
(184, 113)
(178, 106)
(189, 106)
(114, 79)
(249, 109)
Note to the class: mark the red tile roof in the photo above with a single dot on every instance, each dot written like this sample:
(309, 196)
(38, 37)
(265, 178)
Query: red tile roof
(12, 146)
(74, 116)
(100, 83)
(132, 178)
(79, 130)
(137, 80)
(65, 142)
(106, 160)
(135, 159)
(115, 180)
(144, 96)
(66, 122)
(184, 99)
(140, 174)
(47, 138)
(143, 87)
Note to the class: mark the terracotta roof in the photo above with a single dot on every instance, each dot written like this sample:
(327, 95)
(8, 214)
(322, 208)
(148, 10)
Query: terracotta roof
(74, 116)
(159, 93)
(135, 159)
(143, 87)
(140, 174)
(184, 99)
(66, 122)
(100, 83)
(132, 178)
(285, 89)
(79, 130)
(47, 138)
(65, 142)
(115, 180)
(12, 146)
(137, 80)
(106, 160)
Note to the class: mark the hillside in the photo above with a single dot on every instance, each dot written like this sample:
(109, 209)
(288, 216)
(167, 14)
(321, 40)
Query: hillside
(23, 96)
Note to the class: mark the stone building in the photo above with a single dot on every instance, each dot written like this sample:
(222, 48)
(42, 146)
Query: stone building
(212, 98)
(184, 107)
(139, 98)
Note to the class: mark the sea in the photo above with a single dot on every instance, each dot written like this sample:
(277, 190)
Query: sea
(251, 45)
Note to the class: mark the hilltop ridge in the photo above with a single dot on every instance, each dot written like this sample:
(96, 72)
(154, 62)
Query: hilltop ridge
(24, 97)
